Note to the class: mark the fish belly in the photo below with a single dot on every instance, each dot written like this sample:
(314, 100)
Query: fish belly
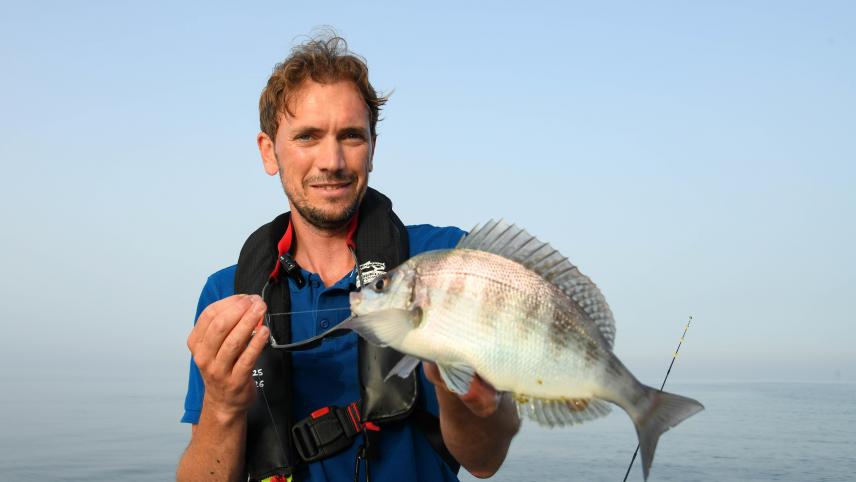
(510, 352)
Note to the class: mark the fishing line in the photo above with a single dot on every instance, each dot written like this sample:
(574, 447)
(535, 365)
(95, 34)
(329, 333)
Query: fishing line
(308, 343)
(674, 357)
(273, 420)
(309, 311)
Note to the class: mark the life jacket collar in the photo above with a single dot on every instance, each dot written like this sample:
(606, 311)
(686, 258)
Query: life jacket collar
(285, 244)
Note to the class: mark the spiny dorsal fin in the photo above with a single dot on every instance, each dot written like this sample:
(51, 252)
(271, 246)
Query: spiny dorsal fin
(514, 243)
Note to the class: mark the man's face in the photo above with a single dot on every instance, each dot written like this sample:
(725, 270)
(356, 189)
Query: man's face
(323, 153)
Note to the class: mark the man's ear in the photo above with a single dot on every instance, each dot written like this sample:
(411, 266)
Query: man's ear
(268, 153)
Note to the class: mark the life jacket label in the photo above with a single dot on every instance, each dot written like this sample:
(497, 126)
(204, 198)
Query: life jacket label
(370, 271)
(257, 376)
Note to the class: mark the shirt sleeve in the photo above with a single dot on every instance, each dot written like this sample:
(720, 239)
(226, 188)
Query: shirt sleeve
(425, 237)
(218, 286)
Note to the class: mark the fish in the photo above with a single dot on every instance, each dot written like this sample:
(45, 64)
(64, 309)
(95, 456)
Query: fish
(511, 309)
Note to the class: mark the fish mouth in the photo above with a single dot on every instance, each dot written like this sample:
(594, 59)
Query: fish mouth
(356, 298)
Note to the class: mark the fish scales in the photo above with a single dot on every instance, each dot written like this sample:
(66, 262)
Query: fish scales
(504, 320)
(514, 311)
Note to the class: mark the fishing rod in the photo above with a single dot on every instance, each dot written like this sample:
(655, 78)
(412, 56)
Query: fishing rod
(674, 357)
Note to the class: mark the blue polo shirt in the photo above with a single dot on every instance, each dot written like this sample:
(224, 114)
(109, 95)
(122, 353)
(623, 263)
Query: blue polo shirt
(327, 375)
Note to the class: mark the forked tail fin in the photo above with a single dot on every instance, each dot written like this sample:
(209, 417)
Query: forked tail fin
(664, 411)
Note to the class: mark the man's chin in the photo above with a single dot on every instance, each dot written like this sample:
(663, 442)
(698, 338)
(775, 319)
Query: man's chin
(329, 217)
(328, 212)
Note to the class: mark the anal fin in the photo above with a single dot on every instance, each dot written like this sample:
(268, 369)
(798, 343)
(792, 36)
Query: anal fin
(561, 413)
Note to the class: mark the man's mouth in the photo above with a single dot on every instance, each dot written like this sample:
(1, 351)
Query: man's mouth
(331, 186)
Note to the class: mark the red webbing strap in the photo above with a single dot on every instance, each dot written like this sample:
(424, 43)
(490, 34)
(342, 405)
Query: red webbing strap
(282, 247)
(284, 244)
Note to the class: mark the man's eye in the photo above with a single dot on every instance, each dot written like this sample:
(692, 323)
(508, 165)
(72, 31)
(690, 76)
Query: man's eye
(353, 136)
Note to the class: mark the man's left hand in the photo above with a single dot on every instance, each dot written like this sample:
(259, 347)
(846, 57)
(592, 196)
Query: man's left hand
(477, 426)
(482, 399)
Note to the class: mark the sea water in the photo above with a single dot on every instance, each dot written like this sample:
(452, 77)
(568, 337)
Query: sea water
(747, 432)
(121, 428)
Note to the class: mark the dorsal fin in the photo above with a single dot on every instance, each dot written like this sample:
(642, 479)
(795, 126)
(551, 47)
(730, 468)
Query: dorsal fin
(514, 243)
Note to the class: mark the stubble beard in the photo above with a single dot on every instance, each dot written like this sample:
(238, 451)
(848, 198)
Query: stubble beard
(321, 218)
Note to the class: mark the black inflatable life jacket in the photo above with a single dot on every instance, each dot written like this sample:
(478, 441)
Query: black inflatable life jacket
(380, 237)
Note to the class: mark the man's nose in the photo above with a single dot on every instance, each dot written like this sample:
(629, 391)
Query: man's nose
(332, 156)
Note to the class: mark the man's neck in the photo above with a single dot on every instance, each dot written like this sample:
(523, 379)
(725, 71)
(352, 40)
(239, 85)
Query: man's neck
(322, 251)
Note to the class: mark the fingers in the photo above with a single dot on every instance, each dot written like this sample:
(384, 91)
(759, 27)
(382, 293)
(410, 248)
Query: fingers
(224, 352)
(213, 333)
(482, 399)
(236, 341)
(223, 322)
(433, 374)
(208, 314)
(245, 363)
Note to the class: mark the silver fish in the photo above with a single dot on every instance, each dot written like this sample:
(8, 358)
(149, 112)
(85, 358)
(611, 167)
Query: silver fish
(516, 312)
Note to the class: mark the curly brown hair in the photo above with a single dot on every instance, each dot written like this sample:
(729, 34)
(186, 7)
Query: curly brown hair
(324, 59)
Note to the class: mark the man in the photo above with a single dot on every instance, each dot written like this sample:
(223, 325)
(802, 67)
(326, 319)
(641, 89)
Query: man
(318, 117)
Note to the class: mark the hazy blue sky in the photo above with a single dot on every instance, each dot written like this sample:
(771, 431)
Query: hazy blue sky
(692, 159)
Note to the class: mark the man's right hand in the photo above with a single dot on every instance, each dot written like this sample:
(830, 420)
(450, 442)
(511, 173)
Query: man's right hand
(225, 350)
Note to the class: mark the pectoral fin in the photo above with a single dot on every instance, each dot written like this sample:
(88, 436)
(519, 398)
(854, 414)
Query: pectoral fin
(382, 328)
(457, 376)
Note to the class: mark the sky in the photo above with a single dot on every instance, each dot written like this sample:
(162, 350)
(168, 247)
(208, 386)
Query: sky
(694, 159)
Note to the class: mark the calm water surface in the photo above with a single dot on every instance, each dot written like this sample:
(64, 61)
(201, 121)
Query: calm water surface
(748, 432)
(97, 430)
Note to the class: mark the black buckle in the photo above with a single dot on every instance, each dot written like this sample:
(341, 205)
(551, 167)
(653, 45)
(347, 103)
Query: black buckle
(327, 431)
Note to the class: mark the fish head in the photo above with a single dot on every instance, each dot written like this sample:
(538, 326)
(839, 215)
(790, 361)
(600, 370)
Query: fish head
(390, 291)
(383, 311)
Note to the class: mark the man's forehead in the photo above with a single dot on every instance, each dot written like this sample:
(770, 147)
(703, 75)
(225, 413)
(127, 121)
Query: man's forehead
(313, 102)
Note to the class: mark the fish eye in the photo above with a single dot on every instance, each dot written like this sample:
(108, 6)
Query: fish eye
(381, 283)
